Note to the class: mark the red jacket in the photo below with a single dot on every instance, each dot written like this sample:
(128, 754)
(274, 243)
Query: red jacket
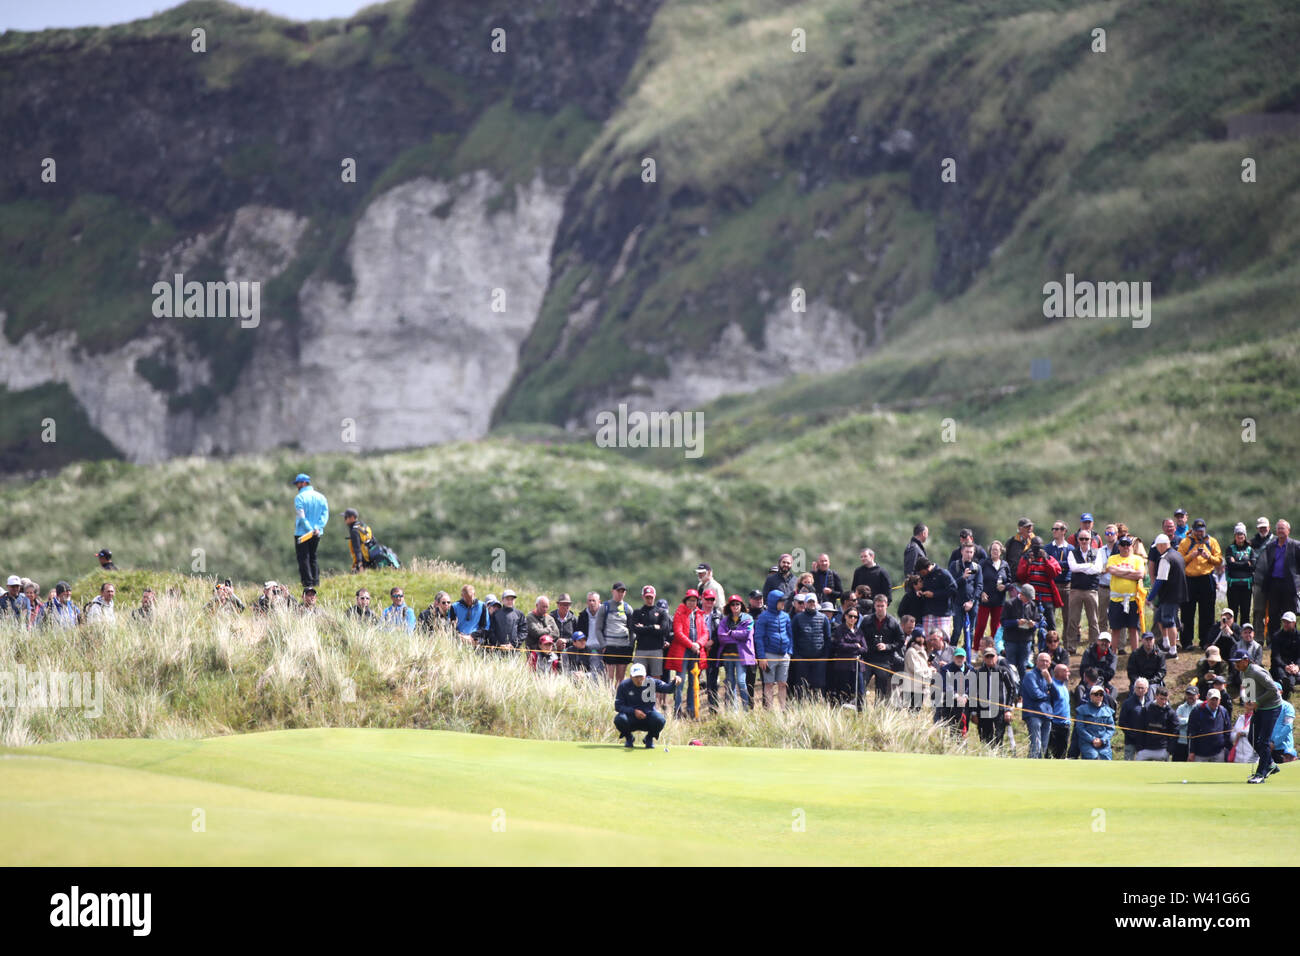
(1044, 584)
(688, 627)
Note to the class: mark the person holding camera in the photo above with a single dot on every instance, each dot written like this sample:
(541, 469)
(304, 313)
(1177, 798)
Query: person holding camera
(1202, 558)
(1040, 569)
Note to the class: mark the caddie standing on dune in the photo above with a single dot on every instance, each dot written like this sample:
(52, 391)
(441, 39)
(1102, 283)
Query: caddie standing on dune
(312, 513)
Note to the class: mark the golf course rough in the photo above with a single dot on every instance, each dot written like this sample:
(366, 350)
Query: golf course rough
(357, 796)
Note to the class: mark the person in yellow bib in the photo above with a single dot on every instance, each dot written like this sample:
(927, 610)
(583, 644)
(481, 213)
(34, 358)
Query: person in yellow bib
(1125, 612)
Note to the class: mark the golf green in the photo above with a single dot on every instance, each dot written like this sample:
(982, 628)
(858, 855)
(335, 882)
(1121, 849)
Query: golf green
(430, 797)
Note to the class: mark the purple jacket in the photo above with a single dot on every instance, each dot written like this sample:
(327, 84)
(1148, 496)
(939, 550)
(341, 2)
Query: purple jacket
(738, 637)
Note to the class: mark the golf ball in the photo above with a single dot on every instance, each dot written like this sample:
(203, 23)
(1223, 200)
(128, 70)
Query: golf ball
(1184, 781)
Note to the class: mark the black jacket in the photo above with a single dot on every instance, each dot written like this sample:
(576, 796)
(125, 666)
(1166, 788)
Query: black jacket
(828, 579)
(980, 555)
(1173, 590)
(989, 578)
(888, 632)
(508, 627)
(914, 550)
(1160, 726)
(1284, 649)
(913, 604)
(776, 581)
(652, 630)
(1290, 566)
(1012, 612)
(1151, 666)
(1105, 665)
(876, 578)
(1013, 550)
(846, 647)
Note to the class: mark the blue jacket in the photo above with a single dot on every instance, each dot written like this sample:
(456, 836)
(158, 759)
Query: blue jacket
(1215, 726)
(312, 512)
(469, 619)
(393, 612)
(1037, 692)
(773, 636)
(18, 606)
(810, 634)
(1058, 705)
(66, 614)
(628, 697)
(1103, 716)
(1284, 730)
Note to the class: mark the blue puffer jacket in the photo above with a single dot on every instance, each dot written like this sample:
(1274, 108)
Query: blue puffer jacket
(811, 634)
(1103, 726)
(772, 633)
(1037, 692)
(311, 512)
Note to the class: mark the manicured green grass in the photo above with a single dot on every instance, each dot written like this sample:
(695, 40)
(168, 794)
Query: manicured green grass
(428, 797)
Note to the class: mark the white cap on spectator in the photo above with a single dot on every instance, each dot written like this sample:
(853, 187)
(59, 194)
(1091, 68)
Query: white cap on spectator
(13, 579)
(1161, 539)
(1289, 616)
(636, 670)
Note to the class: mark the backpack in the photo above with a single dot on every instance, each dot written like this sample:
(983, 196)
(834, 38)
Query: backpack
(383, 557)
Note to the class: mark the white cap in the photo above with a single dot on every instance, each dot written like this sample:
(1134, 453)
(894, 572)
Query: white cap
(1289, 616)
(1213, 694)
(13, 579)
(1160, 539)
(1261, 522)
(636, 670)
(1104, 636)
(271, 584)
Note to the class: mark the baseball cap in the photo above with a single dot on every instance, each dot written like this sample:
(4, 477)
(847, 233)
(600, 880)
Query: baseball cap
(648, 589)
(1247, 626)
(756, 593)
(508, 593)
(308, 590)
(702, 567)
(1198, 524)
(1160, 539)
(990, 652)
(1193, 690)
(1104, 636)
(636, 670)
(958, 652)
(1148, 636)
(1289, 616)
(1218, 679)
(1125, 541)
(302, 476)
(1227, 612)
(1239, 528)
(1086, 516)
(619, 586)
(1261, 522)
(1239, 656)
(103, 553)
(579, 636)
(1023, 523)
(13, 579)
(491, 599)
(1180, 511)
(737, 598)
(1213, 694)
(690, 592)
(271, 584)
(800, 597)
(1096, 689)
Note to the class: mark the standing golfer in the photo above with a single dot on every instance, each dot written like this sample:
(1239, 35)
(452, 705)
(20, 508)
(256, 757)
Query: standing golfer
(635, 702)
(311, 514)
(1257, 685)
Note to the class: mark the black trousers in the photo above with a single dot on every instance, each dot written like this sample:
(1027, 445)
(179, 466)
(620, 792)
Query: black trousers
(307, 568)
(1058, 741)
(992, 729)
(755, 690)
(1200, 598)
(807, 678)
(1281, 598)
(1239, 601)
(846, 683)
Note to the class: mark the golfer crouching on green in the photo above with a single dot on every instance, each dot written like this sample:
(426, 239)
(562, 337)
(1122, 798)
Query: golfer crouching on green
(635, 702)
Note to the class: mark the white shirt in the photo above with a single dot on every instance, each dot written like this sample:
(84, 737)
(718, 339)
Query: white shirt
(1094, 566)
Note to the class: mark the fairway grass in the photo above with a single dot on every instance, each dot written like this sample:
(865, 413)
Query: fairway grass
(358, 796)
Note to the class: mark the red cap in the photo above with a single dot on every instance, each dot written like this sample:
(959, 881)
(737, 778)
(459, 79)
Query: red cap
(692, 593)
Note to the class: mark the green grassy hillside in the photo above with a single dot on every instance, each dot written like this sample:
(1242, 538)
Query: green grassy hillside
(382, 797)
(809, 465)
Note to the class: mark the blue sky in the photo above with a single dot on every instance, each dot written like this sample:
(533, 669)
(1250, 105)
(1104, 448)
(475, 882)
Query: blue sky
(40, 14)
